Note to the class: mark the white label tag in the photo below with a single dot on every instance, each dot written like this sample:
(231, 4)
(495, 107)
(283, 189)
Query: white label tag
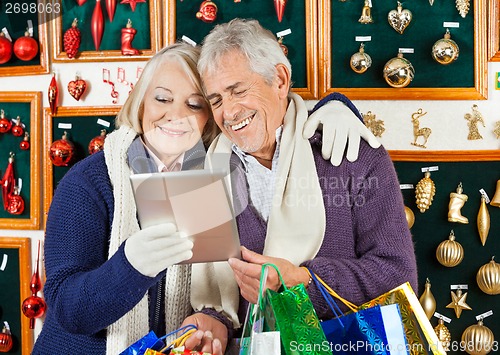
(283, 33)
(451, 24)
(406, 50)
(102, 122)
(64, 125)
(484, 315)
(440, 316)
(30, 28)
(485, 195)
(6, 33)
(363, 38)
(188, 41)
(459, 287)
(406, 186)
(430, 168)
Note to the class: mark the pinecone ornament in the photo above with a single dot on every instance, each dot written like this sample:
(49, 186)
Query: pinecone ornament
(424, 192)
(462, 7)
(72, 39)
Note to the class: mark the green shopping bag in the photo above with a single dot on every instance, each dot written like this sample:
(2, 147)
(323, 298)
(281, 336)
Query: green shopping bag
(291, 312)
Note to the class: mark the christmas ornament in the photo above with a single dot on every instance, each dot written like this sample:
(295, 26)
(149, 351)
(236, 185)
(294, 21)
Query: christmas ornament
(443, 334)
(110, 9)
(16, 202)
(53, 94)
(77, 87)
(8, 182)
(279, 6)
(97, 143)
(283, 47)
(374, 125)
(72, 40)
(62, 151)
(25, 143)
(450, 253)
(479, 339)
(366, 13)
(26, 48)
(207, 12)
(81, 2)
(34, 306)
(458, 302)
(473, 119)
(463, 7)
(399, 19)
(445, 50)
(495, 201)
(417, 131)
(5, 123)
(488, 278)
(496, 130)
(97, 25)
(105, 79)
(457, 201)
(128, 34)
(360, 61)
(6, 341)
(5, 49)
(483, 221)
(427, 300)
(424, 192)
(398, 72)
(410, 216)
(132, 3)
(17, 129)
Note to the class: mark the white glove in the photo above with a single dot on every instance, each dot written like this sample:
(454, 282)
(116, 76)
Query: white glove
(339, 124)
(155, 248)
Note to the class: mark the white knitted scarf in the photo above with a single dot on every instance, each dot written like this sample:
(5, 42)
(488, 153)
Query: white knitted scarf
(297, 220)
(135, 324)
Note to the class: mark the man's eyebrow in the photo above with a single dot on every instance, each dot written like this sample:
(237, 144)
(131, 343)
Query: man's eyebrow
(212, 96)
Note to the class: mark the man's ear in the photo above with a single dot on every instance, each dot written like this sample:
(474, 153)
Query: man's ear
(283, 77)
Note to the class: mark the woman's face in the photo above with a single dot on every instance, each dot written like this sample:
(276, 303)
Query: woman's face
(175, 112)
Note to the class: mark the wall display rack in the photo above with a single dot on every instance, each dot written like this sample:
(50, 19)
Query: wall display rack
(299, 17)
(82, 124)
(145, 19)
(14, 18)
(15, 277)
(494, 30)
(26, 105)
(341, 33)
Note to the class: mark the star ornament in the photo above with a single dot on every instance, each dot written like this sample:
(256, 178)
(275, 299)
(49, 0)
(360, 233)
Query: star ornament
(458, 302)
(132, 3)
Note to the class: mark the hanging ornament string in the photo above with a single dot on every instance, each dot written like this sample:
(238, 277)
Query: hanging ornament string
(8, 182)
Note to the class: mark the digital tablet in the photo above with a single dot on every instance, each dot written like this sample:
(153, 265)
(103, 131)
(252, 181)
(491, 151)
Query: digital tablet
(198, 203)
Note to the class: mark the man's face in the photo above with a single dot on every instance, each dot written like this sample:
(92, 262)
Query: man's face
(246, 108)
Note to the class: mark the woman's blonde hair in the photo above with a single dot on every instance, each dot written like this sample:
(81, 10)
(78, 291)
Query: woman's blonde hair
(132, 111)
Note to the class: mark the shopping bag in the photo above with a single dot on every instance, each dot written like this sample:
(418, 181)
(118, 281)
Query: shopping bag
(372, 331)
(291, 312)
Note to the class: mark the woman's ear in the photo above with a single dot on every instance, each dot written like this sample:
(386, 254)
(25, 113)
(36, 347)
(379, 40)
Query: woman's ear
(283, 77)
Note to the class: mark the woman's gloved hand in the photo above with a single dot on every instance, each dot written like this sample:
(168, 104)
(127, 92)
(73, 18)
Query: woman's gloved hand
(155, 248)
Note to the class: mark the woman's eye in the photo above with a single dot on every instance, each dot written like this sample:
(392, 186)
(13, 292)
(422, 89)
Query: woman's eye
(163, 99)
(195, 106)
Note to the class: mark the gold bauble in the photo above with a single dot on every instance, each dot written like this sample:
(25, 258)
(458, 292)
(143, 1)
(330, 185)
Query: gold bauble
(443, 334)
(410, 217)
(483, 221)
(424, 192)
(360, 61)
(398, 72)
(488, 278)
(478, 339)
(449, 252)
(445, 50)
(427, 300)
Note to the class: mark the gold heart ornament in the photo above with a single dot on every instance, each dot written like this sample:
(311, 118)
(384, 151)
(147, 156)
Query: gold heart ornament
(399, 19)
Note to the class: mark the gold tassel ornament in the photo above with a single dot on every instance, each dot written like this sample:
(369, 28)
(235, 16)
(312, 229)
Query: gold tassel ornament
(424, 192)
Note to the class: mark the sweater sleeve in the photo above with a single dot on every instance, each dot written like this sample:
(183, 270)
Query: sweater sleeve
(86, 291)
(383, 254)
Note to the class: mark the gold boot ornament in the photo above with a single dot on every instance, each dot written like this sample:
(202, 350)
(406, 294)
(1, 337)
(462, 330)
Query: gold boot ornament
(443, 334)
(424, 192)
(457, 201)
(427, 300)
(483, 221)
(495, 201)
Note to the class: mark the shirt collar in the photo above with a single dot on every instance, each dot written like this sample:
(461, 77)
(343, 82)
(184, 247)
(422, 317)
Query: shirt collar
(247, 158)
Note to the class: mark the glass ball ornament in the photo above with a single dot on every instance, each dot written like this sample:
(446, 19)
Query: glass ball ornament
(17, 129)
(398, 72)
(445, 51)
(62, 151)
(488, 278)
(6, 341)
(449, 252)
(360, 61)
(478, 339)
(5, 123)
(97, 143)
(5, 49)
(26, 48)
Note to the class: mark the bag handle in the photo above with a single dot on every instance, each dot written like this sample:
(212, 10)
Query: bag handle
(187, 330)
(263, 279)
(322, 284)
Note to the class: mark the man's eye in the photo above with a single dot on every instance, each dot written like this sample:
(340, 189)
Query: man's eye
(240, 93)
(216, 103)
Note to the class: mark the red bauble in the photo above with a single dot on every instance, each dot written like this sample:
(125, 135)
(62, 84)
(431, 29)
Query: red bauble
(5, 123)
(34, 307)
(62, 151)
(6, 341)
(97, 24)
(16, 203)
(26, 48)
(18, 129)
(97, 143)
(25, 144)
(72, 40)
(208, 11)
(5, 49)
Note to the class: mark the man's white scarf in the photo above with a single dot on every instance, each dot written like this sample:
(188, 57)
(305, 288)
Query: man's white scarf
(296, 224)
(135, 324)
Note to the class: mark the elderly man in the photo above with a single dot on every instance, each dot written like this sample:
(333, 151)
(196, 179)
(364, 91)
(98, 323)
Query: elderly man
(346, 223)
